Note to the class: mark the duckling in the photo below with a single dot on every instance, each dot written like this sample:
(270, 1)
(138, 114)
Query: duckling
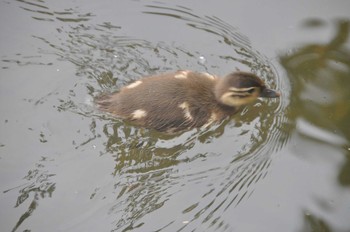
(183, 100)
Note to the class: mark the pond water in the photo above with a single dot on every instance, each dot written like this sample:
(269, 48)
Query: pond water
(277, 165)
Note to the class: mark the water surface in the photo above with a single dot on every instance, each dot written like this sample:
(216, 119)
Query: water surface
(279, 165)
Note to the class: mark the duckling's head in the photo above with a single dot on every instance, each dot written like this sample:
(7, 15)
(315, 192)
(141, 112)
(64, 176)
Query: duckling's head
(241, 88)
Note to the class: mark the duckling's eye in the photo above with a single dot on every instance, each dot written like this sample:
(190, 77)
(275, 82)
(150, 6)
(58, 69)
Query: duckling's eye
(252, 90)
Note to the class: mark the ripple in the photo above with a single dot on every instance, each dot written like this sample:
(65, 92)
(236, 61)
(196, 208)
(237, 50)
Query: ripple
(197, 176)
(42, 12)
(157, 168)
(37, 185)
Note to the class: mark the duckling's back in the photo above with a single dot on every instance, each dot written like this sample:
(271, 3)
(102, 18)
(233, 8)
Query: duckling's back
(168, 102)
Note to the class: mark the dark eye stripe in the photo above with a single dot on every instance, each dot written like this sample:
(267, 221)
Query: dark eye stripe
(240, 94)
(251, 90)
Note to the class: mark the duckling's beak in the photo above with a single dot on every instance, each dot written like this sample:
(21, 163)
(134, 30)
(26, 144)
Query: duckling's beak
(269, 93)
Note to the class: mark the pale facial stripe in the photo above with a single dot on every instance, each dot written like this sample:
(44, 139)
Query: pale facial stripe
(233, 99)
(240, 90)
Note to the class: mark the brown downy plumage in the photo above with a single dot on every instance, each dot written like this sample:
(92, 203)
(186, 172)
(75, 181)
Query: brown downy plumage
(183, 100)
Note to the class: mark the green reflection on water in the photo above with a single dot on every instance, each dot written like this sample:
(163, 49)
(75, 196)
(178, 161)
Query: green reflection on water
(320, 79)
(319, 74)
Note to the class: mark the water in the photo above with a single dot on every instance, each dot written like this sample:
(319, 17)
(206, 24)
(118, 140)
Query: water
(278, 165)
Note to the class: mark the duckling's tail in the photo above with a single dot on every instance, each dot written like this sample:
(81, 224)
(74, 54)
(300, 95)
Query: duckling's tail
(103, 101)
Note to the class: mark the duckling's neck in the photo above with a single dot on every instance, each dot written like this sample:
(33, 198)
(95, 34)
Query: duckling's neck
(222, 95)
(223, 111)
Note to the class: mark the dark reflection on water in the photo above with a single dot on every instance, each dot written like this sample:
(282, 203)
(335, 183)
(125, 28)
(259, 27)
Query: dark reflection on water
(195, 177)
(43, 13)
(38, 186)
(312, 223)
(320, 78)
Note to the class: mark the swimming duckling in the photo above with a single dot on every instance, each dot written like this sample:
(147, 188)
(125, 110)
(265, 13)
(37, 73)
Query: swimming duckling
(184, 100)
